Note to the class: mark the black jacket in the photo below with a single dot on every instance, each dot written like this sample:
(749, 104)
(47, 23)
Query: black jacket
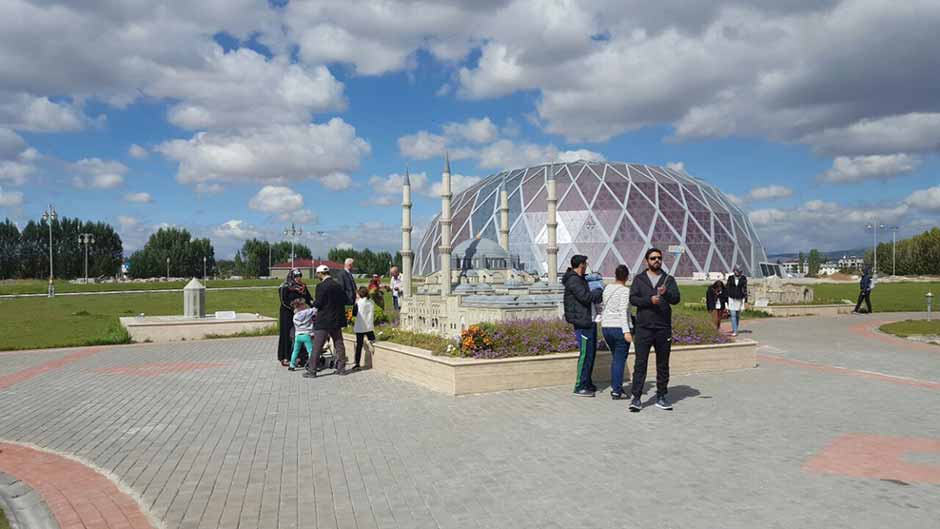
(330, 303)
(865, 283)
(578, 300)
(715, 301)
(349, 287)
(649, 316)
(736, 287)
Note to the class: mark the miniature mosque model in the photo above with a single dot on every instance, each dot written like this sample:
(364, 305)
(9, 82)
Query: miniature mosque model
(479, 280)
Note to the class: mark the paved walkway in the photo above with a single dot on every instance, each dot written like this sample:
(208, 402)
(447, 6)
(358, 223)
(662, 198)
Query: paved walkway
(839, 427)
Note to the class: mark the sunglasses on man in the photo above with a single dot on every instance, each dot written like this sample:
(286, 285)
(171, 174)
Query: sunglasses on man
(655, 258)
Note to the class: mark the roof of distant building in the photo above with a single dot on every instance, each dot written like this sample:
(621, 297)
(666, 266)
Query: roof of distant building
(307, 263)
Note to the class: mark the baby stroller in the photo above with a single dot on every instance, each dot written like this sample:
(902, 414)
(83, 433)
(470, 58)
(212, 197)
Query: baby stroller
(327, 358)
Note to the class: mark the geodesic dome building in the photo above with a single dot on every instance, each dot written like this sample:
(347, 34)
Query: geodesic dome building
(609, 211)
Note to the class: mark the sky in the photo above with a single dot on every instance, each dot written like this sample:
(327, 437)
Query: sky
(236, 118)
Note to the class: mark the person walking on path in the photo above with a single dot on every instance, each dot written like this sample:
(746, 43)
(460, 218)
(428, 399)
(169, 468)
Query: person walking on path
(349, 282)
(653, 293)
(364, 311)
(578, 301)
(330, 302)
(303, 328)
(617, 327)
(395, 283)
(736, 291)
(291, 289)
(716, 300)
(864, 291)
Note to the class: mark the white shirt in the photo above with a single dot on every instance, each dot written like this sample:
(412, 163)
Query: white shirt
(365, 315)
(616, 307)
(396, 286)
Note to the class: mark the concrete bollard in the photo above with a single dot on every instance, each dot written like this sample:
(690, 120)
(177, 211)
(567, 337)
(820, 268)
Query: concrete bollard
(194, 300)
(929, 304)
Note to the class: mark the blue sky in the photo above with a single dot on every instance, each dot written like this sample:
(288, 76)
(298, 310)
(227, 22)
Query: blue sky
(235, 118)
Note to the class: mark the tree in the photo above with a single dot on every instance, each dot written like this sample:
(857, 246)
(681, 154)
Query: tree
(104, 256)
(367, 261)
(280, 252)
(9, 250)
(800, 261)
(814, 262)
(185, 255)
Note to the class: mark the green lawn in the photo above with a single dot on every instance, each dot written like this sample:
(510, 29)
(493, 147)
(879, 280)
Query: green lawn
(912, 328)
(4, 524)
(36, 286)
(886, 297)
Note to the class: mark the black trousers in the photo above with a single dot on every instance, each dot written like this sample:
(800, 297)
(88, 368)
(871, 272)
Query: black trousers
(864, 295)
(360, 340)
(643, 340)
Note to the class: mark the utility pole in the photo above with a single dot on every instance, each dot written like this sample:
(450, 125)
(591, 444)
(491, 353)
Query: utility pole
(168, 268)
(894, 248)
(49, 216)
(86, 239)
(292, 233)
(874, 227)
(204, 279)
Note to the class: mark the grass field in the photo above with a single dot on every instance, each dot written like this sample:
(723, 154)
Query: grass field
(4, 524)
(912, 328)
(37, 286)
(35, 323)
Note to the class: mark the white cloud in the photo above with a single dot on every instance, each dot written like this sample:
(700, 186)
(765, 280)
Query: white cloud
(913, 132)
(236, 229)
(387, 191)
(98, 173)
(580, 154)
(276, 199)
(203, 188)
(275, 154)
(137, 152)
(336, 181)
(676, 166)
(16, 158)
(458, 183)
(474, 130)
(925, 199)
(735, 199)
(140, 198)
(126, 221)
(344, 246)
(9, 199)
(23, 111)
(422, 145)
(847, 170)
(770, 192)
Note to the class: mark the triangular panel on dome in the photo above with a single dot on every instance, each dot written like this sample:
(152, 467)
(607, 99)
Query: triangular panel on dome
(671, 189)
(536, 223)
(639, 173)
(683, 267)
(697, 242)
(617, 170)
(669, 205)
(609, 219)
(462, 235)
(693, 198)
(539, 202)
(534, 182)
(618, 188)
(658, 174)
(460, 218)
(575, 169)
(572, 201)
(565, 251)
(590, 231)
(483, 213)
(607, 264)
(641, 210)
(630, 242)
(715, 262)
(515, 208)
(605, 199)
(514, 179)
(489, 232)
(648, 189)
(572, 222)
(593, 250)
(588, 184)
(663, 234)
(724, 219)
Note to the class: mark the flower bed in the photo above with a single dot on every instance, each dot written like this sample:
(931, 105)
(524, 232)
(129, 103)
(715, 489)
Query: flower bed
(536, 337)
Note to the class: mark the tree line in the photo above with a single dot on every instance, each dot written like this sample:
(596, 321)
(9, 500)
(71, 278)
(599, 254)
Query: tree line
(367, 261)
(173, 252)
(25, 254)
(919, 255)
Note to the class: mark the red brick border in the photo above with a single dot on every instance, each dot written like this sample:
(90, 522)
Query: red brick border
(78, 496)
(31, 372)
(871, 375)
(869, 329)
(876, 456)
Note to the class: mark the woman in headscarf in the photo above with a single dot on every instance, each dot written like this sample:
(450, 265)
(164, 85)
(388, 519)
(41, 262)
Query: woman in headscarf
(292, 288)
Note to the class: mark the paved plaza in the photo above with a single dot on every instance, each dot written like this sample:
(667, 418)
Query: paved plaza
(838, 427)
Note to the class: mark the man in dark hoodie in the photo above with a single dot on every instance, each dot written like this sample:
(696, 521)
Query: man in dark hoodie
(864, 292)
(652, 293)
(579, 299)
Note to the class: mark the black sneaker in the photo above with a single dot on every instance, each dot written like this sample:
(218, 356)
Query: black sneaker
(635, 405)
(618, 395)
(291, 368)
(584, 393)
(663, 403)
(310, 374)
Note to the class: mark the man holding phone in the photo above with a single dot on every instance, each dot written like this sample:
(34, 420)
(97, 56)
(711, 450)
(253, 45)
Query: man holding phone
(653, 293)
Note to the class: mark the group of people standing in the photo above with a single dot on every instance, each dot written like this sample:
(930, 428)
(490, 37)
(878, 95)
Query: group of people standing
(652, 294)
(730, 296)
(308, 322)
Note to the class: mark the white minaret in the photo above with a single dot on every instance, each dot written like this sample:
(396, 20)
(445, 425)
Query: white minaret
(552, 223)
(445, 248)
(407, 256)
(504, 217)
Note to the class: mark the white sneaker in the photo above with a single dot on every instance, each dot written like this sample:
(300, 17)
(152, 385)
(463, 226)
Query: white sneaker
(734, 334)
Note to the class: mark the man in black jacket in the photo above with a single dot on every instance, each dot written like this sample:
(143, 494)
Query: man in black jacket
(349, 282)
(330, 302)
(652, 293)
(579, 299)
(864, 292)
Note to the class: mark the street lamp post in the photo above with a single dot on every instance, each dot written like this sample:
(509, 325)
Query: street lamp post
(292, 233)
(49, 216)
(86, 239)
(894, 248)
(204, 278)
(167, 268)
(874, 227)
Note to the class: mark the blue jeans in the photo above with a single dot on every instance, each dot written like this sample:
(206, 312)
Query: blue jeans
(735, 318)
(619, 347)
(587, 344)
(300, 340)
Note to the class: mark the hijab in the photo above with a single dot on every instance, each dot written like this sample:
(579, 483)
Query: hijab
(293, 282)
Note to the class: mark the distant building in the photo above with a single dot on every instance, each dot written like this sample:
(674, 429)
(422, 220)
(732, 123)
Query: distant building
(306, 266)
(851, 262)
(795, 267)
(827, 269)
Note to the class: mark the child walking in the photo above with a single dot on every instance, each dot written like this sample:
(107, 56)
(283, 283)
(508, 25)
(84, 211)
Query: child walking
(364, 311)
(303, 328)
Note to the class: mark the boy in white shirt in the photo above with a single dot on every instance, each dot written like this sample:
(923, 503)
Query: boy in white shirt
(364, 311)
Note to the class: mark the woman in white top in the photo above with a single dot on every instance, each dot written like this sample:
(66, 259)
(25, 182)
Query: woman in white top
(364, 311)
(617, 325)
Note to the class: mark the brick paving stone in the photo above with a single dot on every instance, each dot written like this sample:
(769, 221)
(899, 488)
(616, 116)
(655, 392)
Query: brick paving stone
(228, 439)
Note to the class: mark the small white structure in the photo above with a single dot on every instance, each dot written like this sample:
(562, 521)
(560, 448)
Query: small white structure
(194, 300)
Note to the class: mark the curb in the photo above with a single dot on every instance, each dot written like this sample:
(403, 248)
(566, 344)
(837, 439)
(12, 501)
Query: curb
(23, 506)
